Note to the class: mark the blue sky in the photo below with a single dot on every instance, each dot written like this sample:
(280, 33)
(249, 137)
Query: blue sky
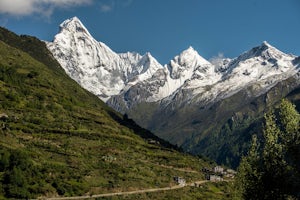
(165, 27)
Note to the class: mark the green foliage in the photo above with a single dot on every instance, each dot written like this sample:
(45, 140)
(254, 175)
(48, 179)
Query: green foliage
(19, 174)
(31, 45)
(4, 160)
(289, 122)
(249, 177)
(274, 167)
(273, 172)
(16, 185)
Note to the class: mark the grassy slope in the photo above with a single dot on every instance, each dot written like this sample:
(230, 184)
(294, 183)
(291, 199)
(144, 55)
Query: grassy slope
(63, 140)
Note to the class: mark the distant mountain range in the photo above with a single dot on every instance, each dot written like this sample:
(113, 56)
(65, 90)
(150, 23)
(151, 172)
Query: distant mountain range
(206, 108)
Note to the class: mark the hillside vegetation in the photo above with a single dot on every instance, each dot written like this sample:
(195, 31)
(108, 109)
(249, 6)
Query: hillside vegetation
(57, 139)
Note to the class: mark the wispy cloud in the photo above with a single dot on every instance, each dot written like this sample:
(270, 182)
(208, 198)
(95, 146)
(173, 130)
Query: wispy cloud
(217, 60)
(20, 8)
(127, 2)
(110, 5)
(45, 7)
(106, 7)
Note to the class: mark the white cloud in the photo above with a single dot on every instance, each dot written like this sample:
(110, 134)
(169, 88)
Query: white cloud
(111, 5)
(16, 7)
(217, 60)
(21, 8)
(44, 7)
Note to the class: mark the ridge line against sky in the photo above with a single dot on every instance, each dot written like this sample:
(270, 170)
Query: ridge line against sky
(165, 27)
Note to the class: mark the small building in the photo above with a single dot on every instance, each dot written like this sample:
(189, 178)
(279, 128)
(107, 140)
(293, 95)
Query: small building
(151, 141)
(179, 180)
(218, 169)
(212, 177)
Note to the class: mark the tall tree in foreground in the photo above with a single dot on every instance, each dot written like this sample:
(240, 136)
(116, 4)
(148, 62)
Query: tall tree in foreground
(290, 135)
(273, 171)
(249, 176)
(274, 166)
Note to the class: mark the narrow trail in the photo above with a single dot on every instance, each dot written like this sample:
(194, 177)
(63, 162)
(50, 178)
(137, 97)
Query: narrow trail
(130, 192)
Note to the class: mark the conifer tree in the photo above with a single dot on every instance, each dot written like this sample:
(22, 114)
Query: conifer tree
(289, 122)
(248, 180)
(274, 167)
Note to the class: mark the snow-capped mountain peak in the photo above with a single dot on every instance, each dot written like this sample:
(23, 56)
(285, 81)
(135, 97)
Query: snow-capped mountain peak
(148, 58)
(265, 43)
(146, 67)
(74, 25)
(265, 46)
(150, 62)
(136, 78)
(265, 51)
(190, 55)
(94, 65)
(183, 65)
(263, 66)
(268, 51)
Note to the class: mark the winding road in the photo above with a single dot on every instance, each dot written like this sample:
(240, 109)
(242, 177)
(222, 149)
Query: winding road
(130, 192)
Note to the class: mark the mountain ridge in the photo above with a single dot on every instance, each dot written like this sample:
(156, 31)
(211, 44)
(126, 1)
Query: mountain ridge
(136, 68)
(186, 98)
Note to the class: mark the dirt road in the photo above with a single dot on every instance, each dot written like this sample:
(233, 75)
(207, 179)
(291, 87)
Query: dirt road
(130, 192)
